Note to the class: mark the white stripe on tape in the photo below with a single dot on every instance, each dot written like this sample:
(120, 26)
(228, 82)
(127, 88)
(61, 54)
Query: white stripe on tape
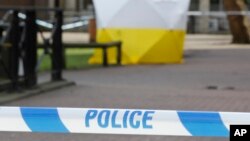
(235, 119)
(11, 120)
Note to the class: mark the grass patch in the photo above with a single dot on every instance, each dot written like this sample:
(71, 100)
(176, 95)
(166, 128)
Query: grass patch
(75, 59)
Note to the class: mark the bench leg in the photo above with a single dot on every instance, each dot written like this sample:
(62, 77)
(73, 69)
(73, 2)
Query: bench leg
(119, 55)
(105, 57)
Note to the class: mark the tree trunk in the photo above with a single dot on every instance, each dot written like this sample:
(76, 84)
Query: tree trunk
(239, 24)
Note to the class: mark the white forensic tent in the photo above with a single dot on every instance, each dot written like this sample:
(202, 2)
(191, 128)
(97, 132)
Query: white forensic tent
(152, 31)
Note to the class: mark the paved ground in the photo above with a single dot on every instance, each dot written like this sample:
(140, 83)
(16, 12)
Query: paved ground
(170, 87)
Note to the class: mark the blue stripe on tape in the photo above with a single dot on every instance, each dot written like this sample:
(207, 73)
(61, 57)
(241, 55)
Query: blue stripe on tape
(203, 124)
(43, 120)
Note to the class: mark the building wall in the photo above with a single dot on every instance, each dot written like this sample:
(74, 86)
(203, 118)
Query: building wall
(24, 3)
(16, 2)
(207, 24)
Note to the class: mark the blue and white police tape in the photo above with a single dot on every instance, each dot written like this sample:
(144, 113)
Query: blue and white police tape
(119, 121)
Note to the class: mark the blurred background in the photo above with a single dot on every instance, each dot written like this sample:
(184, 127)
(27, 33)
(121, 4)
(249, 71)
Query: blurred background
(198, 22)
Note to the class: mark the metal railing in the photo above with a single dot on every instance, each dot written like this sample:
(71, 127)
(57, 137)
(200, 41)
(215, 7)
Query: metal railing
(22, 36)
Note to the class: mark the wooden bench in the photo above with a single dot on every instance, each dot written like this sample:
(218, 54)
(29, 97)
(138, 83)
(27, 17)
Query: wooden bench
(103, 46)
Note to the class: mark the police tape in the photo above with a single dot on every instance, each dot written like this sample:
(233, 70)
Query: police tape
(218, 13)
(119, 121)
(83, 22)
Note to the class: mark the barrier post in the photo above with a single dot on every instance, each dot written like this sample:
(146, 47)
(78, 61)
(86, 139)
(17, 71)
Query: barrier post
(14, 55)
(1, 32)
(57, 48)
(30, 47)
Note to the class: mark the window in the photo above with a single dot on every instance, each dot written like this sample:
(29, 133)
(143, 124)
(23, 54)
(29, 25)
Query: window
(216, 5)
(194, 6)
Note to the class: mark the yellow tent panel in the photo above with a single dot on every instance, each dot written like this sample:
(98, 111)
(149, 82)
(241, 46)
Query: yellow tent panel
(142, 45)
